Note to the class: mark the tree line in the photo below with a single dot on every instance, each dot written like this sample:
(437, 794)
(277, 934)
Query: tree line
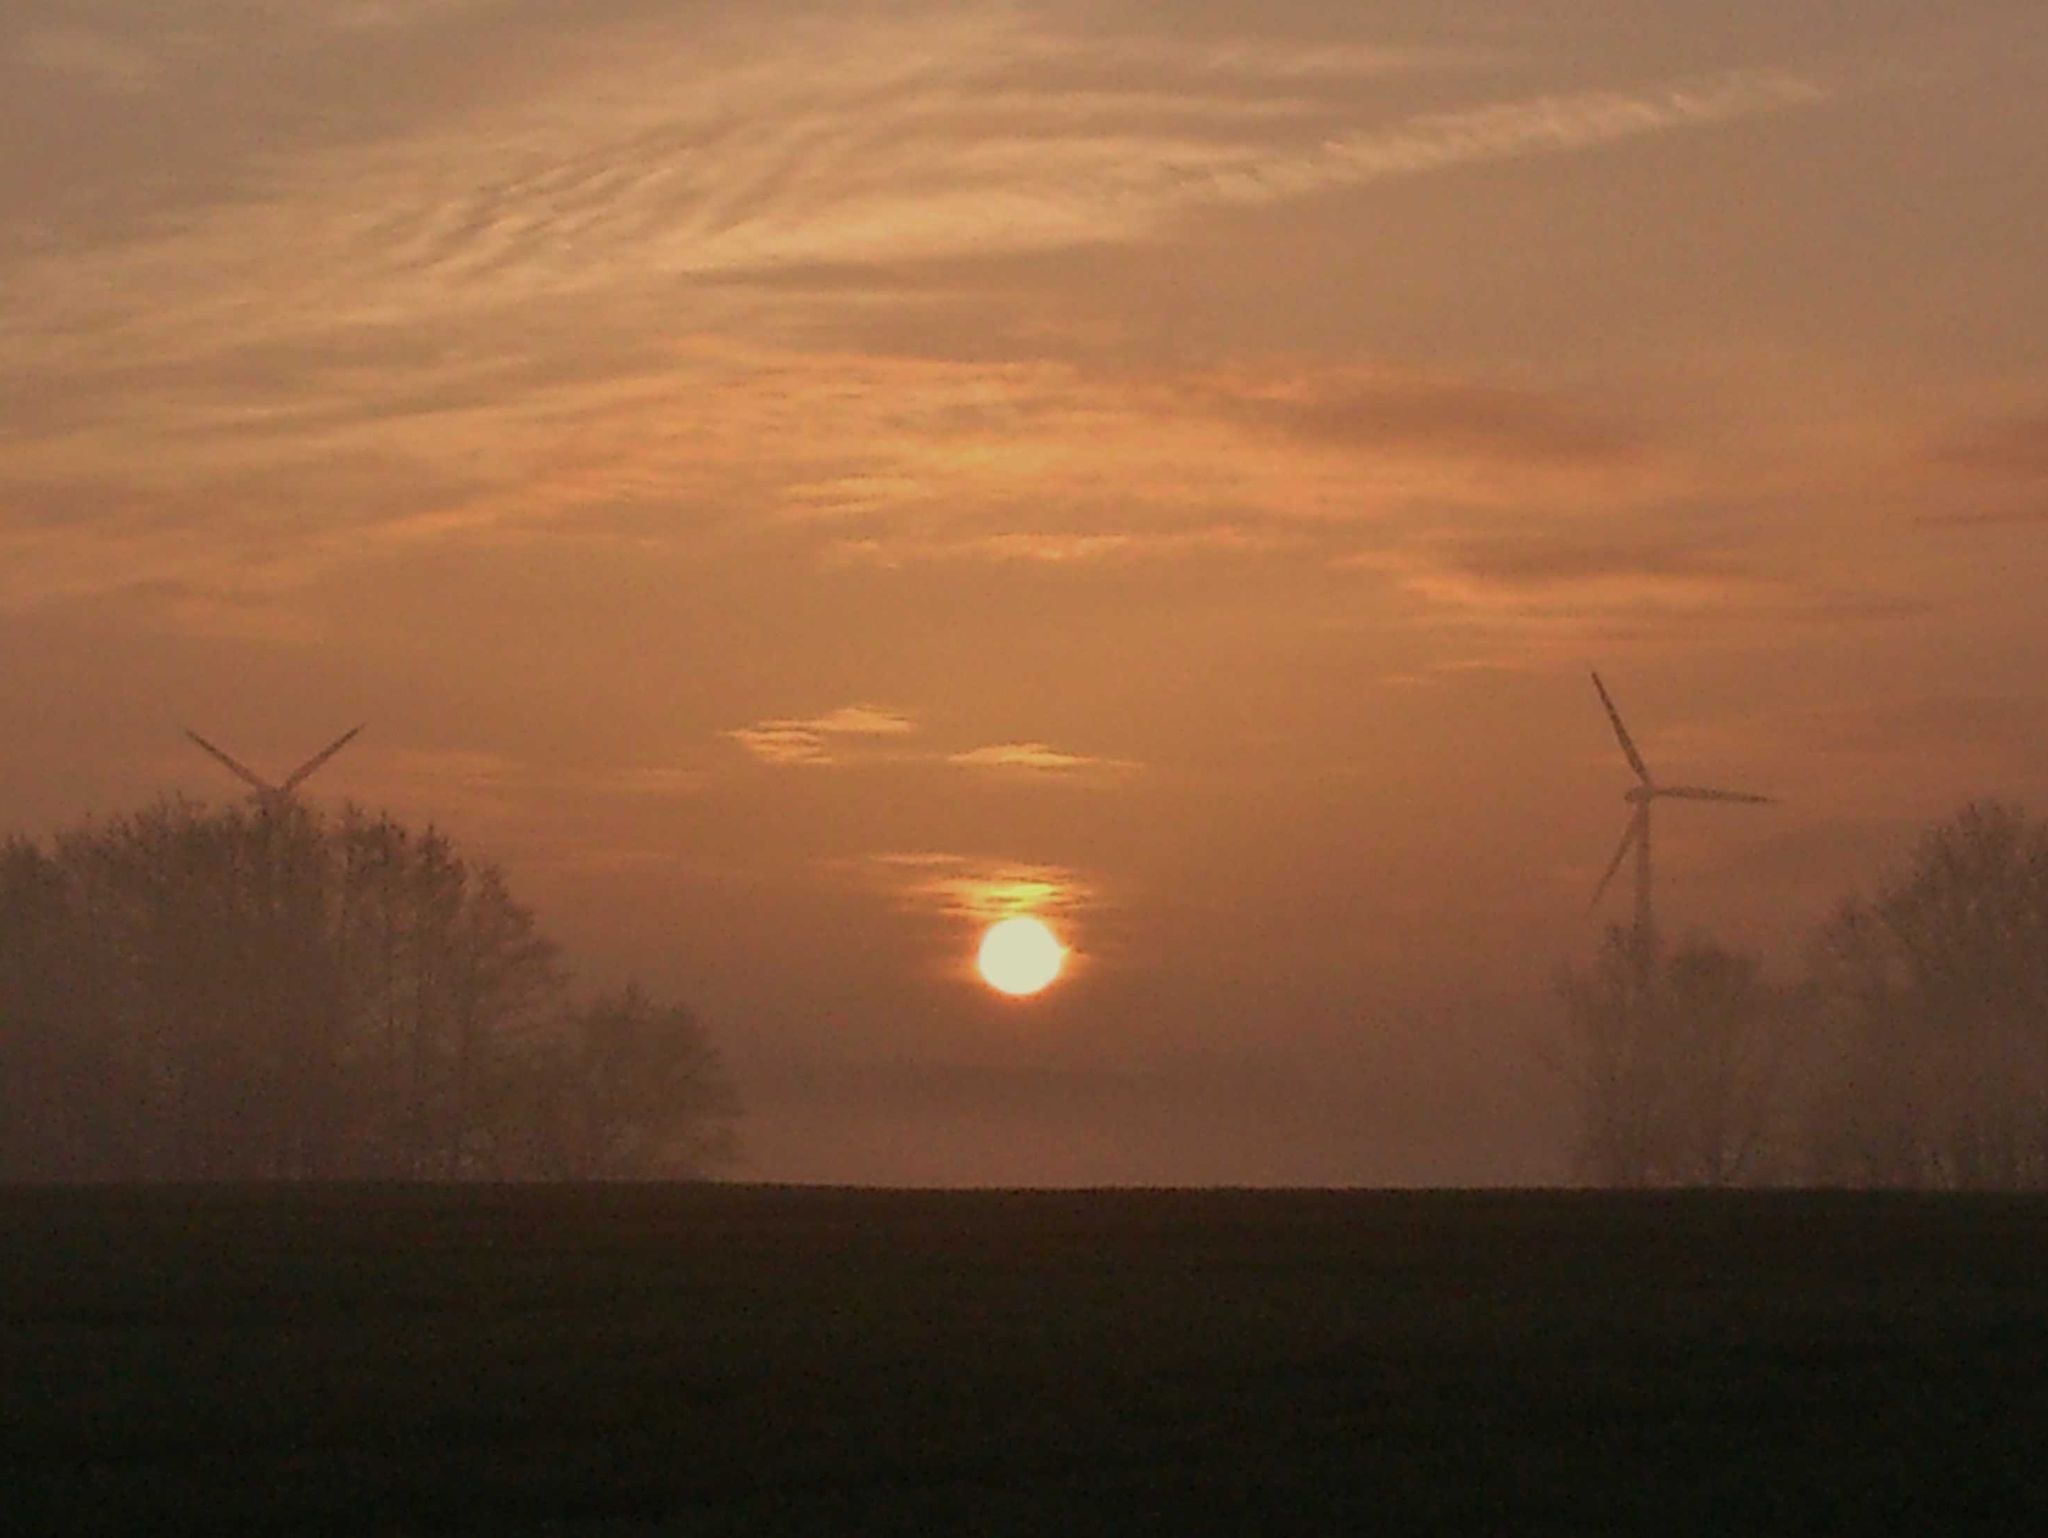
(1911, 1051)
(266, 992)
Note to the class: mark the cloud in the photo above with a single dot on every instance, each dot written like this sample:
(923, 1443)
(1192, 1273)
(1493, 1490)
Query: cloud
(475, 778)
(511, 308)
(2015, 448)
(1065, 465)
(1454, 417)
(2004, 466)
(1060, 548)
(789, 741)
(861, 721)
(977, 887)
(674, 153)
(1533, 583)
(1031, 757)
(1594, 572)
(1988, 475)
(820, 740)
(1577, 559)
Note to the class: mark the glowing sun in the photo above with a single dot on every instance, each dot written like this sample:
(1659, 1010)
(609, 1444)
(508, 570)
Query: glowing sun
(1020, 957)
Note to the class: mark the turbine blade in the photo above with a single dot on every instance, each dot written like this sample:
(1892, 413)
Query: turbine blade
(1700, 793)
(298, 775)
(1628, 746)
(237, 768)
(1629, 836)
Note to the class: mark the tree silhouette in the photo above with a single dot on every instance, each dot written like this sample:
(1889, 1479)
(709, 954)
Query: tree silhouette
(262, 993)
(55, 1059)
(628, 1087)
(1673, 1064)
(1934, 993)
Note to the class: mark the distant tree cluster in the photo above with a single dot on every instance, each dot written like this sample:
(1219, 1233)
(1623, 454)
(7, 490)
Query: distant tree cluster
(269, 993)
(1913, 1053)
(1675, 1079)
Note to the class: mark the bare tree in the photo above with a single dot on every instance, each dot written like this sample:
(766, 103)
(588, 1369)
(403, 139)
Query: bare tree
(443, 971)
(48, 1117)
(264, 992)
(626, 1088)
(1673, 1065)
(1933, 1069)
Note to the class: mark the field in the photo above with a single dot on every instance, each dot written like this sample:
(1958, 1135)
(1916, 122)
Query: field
(755, 1360)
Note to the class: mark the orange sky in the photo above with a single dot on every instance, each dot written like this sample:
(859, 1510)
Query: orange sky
(773, 475)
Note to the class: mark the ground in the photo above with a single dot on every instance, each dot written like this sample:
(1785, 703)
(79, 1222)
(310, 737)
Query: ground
(746, 1360)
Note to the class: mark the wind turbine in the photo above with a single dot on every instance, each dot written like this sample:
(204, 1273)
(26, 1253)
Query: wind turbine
(268, 796)
(1642, 796)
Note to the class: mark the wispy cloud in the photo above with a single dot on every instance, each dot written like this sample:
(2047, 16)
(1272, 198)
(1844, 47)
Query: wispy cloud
(1060, 548)
(1516, 129)
(1455, 582)
(712, 152)
(557, 302)
(1387, 412)
(1032, 758)
(1589, 580)
(1060, 465)
(824, 740)
(908, 157)
(2012, 447)
(977, 887)
(423, 773)
(1985, 475)
(879, 460)
(812, 741)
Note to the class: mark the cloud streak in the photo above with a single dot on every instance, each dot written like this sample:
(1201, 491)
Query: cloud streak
(558, 309)
(812, 742)
(2015, 448)
(977, 887)
(1031, 758)
(932, 137)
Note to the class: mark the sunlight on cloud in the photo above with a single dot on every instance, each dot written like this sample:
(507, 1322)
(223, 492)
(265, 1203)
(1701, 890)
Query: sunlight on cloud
(507, 310)
(1512, 130)
(1096, 469)
(1625, 587)
(984, 890)
(866, 460)
(1032, 758)
(810, 742)
(1063, 549)
(1577, 587)
(868, 141)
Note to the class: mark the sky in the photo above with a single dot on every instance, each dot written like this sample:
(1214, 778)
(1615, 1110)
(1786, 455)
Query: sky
(792, 483)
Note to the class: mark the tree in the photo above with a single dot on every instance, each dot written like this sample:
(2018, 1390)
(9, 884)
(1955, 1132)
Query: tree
(1674, 1065)
(626, 1088)
(46, 1113)
(1934, 1063)
(269, 993)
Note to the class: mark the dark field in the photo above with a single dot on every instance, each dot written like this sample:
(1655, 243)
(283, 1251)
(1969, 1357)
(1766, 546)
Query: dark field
(734, 1360)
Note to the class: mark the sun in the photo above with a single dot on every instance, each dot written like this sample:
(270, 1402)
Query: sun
(1020, 957)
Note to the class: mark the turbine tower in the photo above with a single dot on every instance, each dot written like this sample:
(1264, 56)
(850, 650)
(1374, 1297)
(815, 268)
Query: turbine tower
(266, 795)
(1642, 796)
